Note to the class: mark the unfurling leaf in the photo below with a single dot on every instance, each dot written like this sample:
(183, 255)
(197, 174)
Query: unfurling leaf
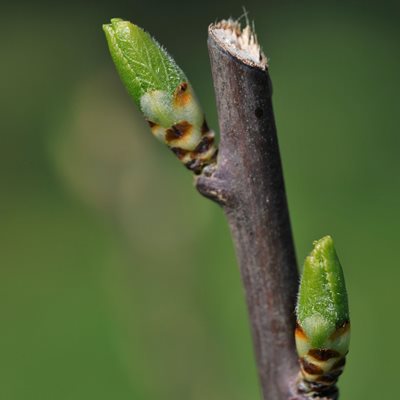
(163, 93)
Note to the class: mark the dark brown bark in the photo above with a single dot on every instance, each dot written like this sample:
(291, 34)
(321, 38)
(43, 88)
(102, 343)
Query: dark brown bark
(248, 183)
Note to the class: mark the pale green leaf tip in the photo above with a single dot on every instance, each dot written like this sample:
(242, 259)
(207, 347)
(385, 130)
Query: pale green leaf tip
(143, 65)
(322, 304)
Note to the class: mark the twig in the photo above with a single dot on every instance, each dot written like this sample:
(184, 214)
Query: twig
(248, 183)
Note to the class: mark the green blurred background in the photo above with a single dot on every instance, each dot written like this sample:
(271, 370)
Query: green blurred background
(117, 280)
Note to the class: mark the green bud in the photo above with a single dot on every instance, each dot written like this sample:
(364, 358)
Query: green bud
(322, 304)
(162, 92)
(323, 326)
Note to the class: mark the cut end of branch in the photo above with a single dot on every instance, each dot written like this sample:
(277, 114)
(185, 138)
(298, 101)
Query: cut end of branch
(240, 43)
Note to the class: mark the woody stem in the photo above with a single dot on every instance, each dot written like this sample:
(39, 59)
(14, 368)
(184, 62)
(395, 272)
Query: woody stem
(248, 183)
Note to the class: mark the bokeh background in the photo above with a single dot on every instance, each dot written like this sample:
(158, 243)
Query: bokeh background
(117, 280)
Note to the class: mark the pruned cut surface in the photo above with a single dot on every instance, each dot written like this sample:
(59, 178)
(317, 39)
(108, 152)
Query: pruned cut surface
(241, 43)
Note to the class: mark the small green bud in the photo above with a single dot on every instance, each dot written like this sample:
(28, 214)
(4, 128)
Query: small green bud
(322, 303)
(323, 326)
(162, 92)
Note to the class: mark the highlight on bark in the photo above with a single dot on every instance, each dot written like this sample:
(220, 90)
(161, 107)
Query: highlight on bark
(323, 326)
(162, 92)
